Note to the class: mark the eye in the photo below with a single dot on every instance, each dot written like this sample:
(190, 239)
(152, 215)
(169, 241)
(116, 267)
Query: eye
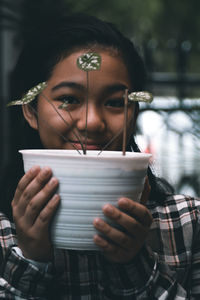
(68, 99)
(116, 103)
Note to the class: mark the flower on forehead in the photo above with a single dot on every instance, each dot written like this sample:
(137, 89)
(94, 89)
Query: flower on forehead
(90, 61)
(141, 96)
(30, 95)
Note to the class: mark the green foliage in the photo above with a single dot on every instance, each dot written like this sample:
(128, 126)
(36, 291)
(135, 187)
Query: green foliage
(146, 17)
(179, 19)
(162, 19)
(132, 16)
(162, 28)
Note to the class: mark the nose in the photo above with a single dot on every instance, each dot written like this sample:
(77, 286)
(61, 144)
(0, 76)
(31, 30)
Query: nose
(94, 119)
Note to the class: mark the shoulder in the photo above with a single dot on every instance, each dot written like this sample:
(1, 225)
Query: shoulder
(177, 207)
(7, 232)
(175, 230)
(5, 222)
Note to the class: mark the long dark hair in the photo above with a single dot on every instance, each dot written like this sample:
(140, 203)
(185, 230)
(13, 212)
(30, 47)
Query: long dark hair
(43, 49)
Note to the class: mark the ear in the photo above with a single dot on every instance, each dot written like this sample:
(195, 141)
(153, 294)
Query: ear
(30, 116)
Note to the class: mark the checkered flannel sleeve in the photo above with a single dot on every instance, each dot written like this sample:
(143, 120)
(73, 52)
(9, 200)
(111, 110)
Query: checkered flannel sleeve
(172, 269)
(19, 279)
(145, 278)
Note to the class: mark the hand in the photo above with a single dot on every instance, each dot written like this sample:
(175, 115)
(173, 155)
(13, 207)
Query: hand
(34, 205)
(135, 218)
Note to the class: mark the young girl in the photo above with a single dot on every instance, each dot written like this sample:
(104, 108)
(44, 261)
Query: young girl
(157, 254)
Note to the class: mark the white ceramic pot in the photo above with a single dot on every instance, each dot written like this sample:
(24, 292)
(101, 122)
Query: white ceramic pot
(86, 183)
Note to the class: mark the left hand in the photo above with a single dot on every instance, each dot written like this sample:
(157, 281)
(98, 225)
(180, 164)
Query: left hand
(122, 247)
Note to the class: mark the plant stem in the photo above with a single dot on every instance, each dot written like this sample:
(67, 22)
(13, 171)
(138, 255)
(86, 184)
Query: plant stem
(66, 123)
(58, 133)
(114, 137)
(86, 117)
(110, 142)
(125, 122)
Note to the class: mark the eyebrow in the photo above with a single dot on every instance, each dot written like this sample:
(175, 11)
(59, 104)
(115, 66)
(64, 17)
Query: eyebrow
(69, 84)
(115, 88)
(107, 90)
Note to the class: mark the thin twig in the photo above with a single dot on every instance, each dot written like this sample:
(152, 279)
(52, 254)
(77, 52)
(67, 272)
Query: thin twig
(125, 122)
(86, 117)
(66, 123)
(77, 134)
(114, 137)
(110, 142)
(58, 133)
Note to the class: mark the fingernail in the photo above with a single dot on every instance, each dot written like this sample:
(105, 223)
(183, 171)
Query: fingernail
(53, 181)
(108, 209)
(33, 169)
(45, 171)
(98, 222)
(55, 198)
(123, 201)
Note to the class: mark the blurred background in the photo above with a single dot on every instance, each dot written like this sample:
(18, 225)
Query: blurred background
(167, 33)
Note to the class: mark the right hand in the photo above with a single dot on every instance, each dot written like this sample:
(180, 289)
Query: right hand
(34, 205)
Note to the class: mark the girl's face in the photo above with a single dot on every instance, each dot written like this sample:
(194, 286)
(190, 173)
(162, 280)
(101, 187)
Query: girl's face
(105, 115)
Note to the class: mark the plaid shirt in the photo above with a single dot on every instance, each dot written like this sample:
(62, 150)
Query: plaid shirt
(167, 267)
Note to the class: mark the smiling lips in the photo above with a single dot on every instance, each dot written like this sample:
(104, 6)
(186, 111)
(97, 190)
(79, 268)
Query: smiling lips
(89, 146)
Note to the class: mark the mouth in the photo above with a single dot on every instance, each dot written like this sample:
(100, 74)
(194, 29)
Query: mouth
(88, 146)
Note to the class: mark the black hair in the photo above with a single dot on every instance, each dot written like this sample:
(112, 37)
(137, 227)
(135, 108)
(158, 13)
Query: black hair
(48, 44)
(45, 46)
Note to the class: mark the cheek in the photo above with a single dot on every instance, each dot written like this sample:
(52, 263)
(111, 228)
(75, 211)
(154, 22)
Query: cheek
(117, 121)
(132, 117)
(49, 116)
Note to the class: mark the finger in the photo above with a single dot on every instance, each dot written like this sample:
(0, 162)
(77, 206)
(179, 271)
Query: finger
(36, 204)
(146, 191)
(106, 246)
(132, 226)
(24, 182)
(116, 236)
(32, 189)
(137, 210)
(47, 213)
(115, 253)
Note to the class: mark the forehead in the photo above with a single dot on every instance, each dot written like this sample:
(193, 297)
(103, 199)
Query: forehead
(112, 66)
